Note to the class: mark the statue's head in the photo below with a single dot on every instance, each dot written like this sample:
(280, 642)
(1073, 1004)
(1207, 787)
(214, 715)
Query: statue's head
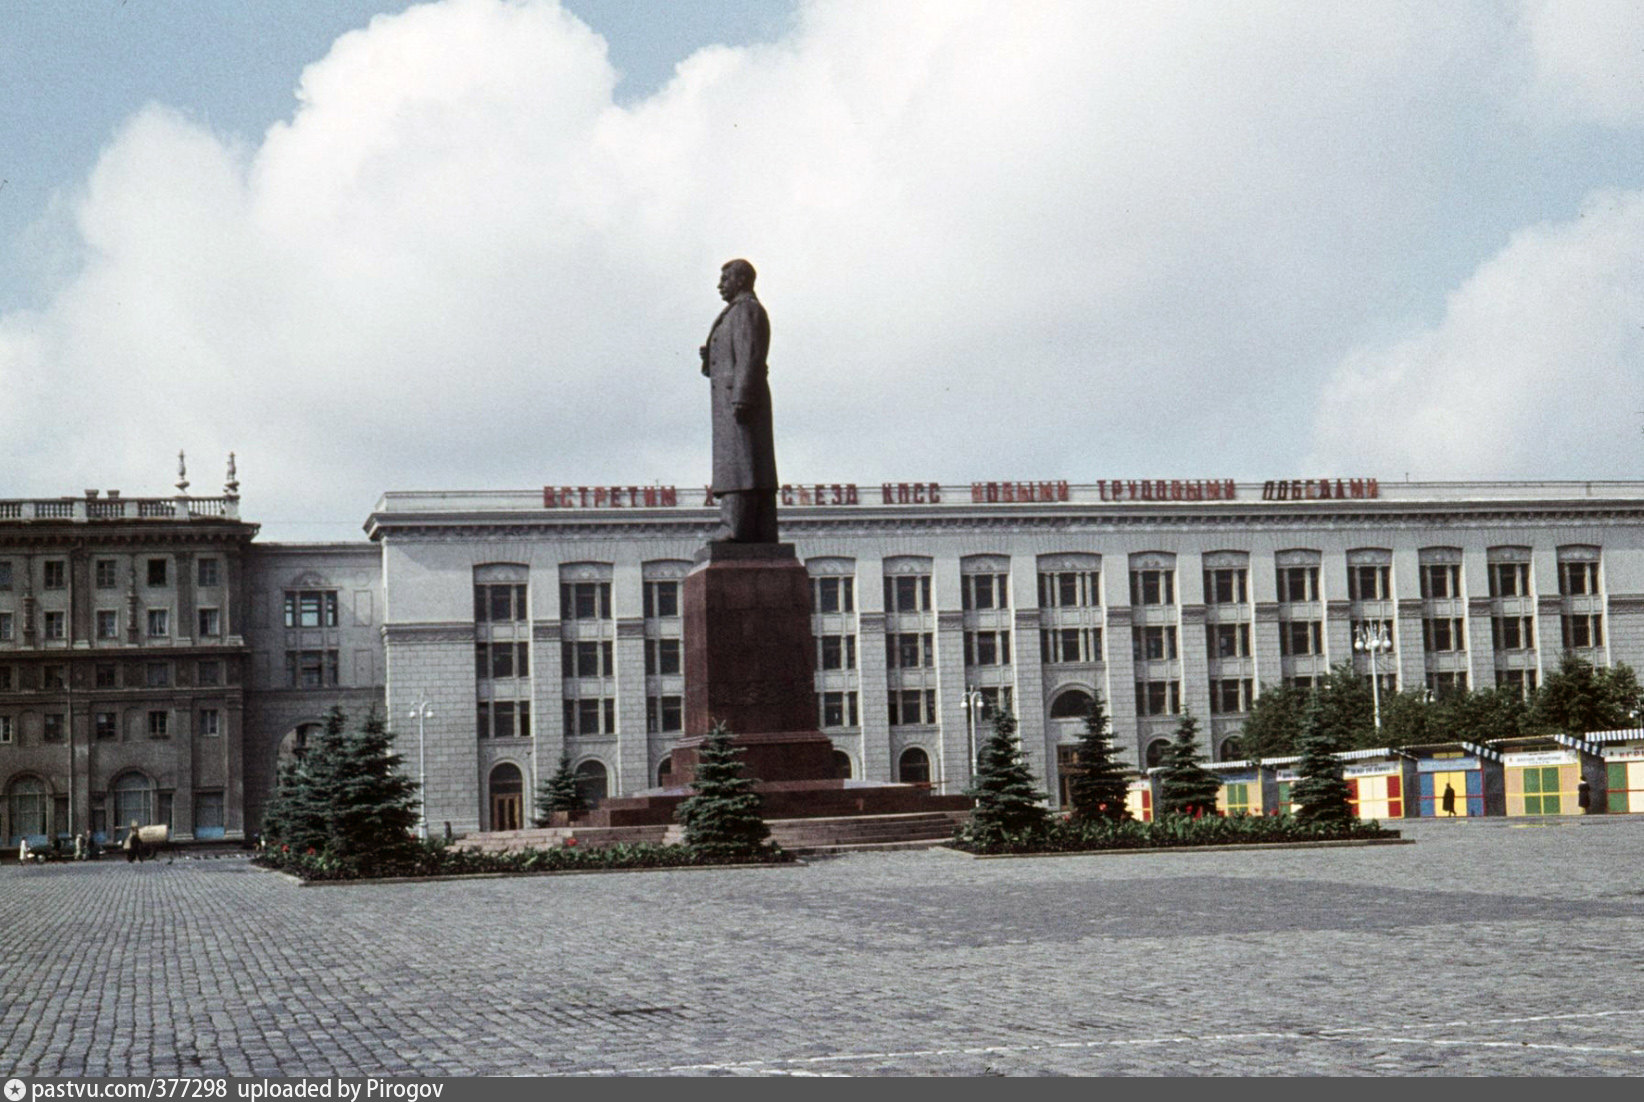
(735, 276)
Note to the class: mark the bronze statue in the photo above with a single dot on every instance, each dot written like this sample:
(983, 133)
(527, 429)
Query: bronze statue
(744, 475)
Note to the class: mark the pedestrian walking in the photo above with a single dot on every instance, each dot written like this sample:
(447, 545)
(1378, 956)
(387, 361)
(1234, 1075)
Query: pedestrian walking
(133, 845)
(1448, 801)
(1584, 797)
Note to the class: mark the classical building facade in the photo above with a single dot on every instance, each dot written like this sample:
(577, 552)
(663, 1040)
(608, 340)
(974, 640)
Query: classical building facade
(156, 662)
(535, 625)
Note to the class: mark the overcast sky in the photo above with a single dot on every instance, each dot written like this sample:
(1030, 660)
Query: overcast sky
(473, 244)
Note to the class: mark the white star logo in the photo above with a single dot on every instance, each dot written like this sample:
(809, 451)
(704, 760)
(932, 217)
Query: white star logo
(15, 1090)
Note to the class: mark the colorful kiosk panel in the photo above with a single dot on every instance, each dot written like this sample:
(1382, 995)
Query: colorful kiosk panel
(1378, 789)
(1139, 800)
(1542, 782)
(1624, 772)
(1241, 792)
(1471, 774)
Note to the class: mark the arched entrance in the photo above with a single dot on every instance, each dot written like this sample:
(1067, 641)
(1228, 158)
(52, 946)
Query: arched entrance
(133, 801)
(591, 782)
(665, 772)
(1156, 751)
(507, 788)
(842, 765)
(1071, 704)
(913, 767)
(297, 741)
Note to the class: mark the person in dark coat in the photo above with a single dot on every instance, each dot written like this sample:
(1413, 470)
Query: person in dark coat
(1584, 796)
(1448, 801)
(744, 451)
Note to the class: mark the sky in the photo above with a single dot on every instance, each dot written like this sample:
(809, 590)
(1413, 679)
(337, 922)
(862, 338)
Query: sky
(473, 244)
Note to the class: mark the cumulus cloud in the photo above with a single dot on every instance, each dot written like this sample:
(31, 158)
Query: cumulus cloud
(1535, 370)
(996, 240)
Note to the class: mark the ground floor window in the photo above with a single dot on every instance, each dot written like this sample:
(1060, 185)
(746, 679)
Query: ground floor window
(133, 801)
(208, 815)
(592, 782)
(913, 767)
(26, 809)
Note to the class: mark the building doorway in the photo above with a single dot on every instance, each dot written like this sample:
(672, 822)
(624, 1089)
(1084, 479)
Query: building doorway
(592, 784)
(507, 797)
(913, 767)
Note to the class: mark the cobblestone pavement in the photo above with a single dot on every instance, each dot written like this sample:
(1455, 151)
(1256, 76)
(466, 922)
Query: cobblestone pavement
(1490, 947)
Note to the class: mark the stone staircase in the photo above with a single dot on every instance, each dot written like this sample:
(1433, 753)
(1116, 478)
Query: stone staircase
(841, 834)
(849, 834)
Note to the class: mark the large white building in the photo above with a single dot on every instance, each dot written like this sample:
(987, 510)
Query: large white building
(156, 660)
(536, 624)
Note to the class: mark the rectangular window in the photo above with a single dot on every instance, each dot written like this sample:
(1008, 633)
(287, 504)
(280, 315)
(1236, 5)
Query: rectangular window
(1509, 579)
(311, 608)
(106, 725)
(157, 572)
(208, 814)
(908, 650)
(52, 677)
(661, 600)
(911, 706)
(1298, 583)
(500, 660)
(1584, 630)
(5, 729)
(1522, 680)
(984, 591)
(664, 714)
(987, 648)
(995, 699)
(1070, 589)
(55, 574)
(157, 675)
(1070, 645)
(53, 731)
(1158, 698)
(5, 679)
(108, 623)
(106, 573)
(1230, 695)
(499, 603)
(210, 722)
(504, 719)
(159, 724)
(1577, 579)
(5, 575)
(661, 657)
(311, 669)
(1512, 632)
(207, 573)
(839, 710)
(1441, 634)
(585, 600)
(1152, 587)
(1153, 644)
(1300, 637)
(1440, 581)
(56, 625)
(1368, 583)
(836, 652)
(159, 623)
(1226, 586)
(833, 594)
(587, 659)
(908, 593)
(5, 625)
(106, 675)
(590, 716)
(1448, 683)
(1298, 682)
(1227, 640)
(211, 622)
(211, 673)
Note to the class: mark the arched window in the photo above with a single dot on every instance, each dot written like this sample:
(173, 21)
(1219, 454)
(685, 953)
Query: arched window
(297, 741)
(913, 767)
(1156, 751)
(591, 781)
(507, 797)
(1072, 704)
(133, 801)
(1232, 749)
(665, 772)
(27, 802)
(842, 765)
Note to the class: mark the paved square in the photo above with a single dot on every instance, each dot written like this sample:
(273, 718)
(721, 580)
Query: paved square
(1491, 947)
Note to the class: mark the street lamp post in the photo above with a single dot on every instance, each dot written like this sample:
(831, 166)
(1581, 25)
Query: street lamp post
(1374, 642)
(422, 711)
(973, 704)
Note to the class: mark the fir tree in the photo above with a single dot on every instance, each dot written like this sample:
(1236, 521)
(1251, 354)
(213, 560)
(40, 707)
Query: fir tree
(1320, 793)
(721, 818)
(1097, 789)
(1007, 800)
(558, 792)
(374, 817)
(298, 817)
(1186, 787)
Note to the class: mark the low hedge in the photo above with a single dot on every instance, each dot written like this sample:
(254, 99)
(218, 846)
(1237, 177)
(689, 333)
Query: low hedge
(433, 859)
(1170, 832)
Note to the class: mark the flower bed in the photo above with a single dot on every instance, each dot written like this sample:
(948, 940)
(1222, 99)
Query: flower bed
(435, 860)
(1172, 832)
